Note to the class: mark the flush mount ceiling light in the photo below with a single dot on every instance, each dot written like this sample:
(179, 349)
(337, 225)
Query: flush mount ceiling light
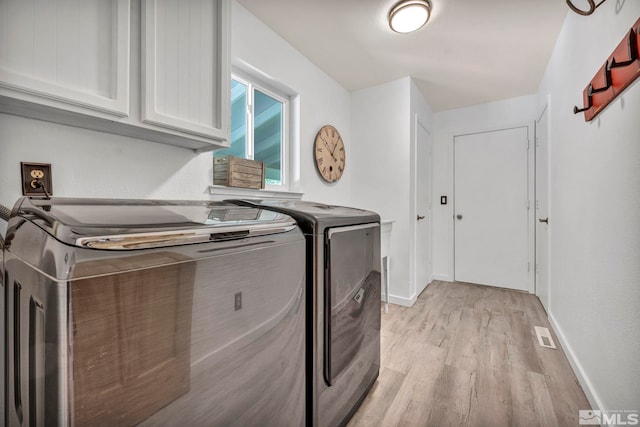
(409, 15)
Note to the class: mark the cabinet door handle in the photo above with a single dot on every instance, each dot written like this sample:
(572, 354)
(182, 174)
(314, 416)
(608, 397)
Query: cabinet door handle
(545, 220)
(419, 217)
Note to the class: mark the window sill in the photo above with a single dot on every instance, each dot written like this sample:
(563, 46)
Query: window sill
(243, 193)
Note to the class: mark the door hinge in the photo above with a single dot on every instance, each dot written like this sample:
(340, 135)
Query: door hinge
(528, 204)
(528, 267)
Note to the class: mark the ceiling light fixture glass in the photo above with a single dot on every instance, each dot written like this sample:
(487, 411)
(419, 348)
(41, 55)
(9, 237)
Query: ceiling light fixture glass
(409, 15)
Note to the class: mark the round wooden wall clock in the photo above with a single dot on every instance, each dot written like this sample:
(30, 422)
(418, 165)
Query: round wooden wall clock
(329, 153)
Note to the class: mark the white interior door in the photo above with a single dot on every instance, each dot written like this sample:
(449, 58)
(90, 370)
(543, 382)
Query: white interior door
(490, 208)
(542, 208)
(423, 207)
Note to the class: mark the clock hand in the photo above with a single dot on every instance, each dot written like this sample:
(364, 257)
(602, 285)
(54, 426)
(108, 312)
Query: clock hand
(329, 148)
(334, 149)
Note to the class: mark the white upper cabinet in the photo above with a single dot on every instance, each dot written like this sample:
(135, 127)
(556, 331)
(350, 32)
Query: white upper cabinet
(151, 69)
(184, 44)
(66, 53)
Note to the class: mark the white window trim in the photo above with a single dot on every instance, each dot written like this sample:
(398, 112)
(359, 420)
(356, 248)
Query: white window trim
(254, 84)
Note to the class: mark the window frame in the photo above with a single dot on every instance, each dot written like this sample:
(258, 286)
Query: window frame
(251, 85)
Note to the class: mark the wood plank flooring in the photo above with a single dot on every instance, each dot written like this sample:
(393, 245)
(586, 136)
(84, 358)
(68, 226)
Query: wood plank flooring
(467, 355)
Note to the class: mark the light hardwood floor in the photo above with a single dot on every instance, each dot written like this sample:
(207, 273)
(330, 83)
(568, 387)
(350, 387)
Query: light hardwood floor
(467, 355)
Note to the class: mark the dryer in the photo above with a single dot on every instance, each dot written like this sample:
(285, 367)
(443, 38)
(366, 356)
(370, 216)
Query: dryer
(5, 213)
(158, 313)
(343, 302)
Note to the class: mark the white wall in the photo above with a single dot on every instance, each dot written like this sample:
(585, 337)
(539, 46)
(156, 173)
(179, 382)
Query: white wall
(520, 111)
(322, 100)
(87, 163)
(380, 126)
(594, 211)
(383, 127)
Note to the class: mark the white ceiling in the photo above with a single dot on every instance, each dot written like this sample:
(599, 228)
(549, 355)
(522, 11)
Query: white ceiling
(470, 52)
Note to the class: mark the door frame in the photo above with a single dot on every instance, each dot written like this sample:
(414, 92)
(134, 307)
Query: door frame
(546, 109)
(416, 289)
(531, 213)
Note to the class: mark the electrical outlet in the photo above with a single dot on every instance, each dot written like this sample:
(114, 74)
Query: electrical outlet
(34, 177)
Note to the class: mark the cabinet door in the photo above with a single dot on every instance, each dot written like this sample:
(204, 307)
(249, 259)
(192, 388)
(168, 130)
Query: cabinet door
(72, 55)
(185, 66)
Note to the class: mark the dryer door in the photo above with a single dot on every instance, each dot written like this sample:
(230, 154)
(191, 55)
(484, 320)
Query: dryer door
(352, 295)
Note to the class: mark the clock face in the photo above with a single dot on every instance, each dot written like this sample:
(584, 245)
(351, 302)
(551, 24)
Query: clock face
(329, 153)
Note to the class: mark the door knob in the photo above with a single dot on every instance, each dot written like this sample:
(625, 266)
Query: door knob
(545, 220)
(459, 216)
(419, 217)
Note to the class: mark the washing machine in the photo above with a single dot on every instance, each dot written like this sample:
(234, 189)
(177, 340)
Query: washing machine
(5, 213)
(343, 302)
(153, 313)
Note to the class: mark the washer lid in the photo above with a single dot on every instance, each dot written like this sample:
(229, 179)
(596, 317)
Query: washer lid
(313, 216)
(137, 224)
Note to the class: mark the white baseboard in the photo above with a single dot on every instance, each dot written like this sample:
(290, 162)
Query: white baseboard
(578, 370)
(405, 302)
(442, 277)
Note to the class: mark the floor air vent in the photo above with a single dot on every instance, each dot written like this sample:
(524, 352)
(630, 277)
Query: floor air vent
(544, 337)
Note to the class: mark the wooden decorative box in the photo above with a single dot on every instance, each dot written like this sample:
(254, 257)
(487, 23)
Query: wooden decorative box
(236, 172)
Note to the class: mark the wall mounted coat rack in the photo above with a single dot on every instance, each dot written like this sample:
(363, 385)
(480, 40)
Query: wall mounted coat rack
(618, 72)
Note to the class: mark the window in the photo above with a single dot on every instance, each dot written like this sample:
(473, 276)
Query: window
(259, 129)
